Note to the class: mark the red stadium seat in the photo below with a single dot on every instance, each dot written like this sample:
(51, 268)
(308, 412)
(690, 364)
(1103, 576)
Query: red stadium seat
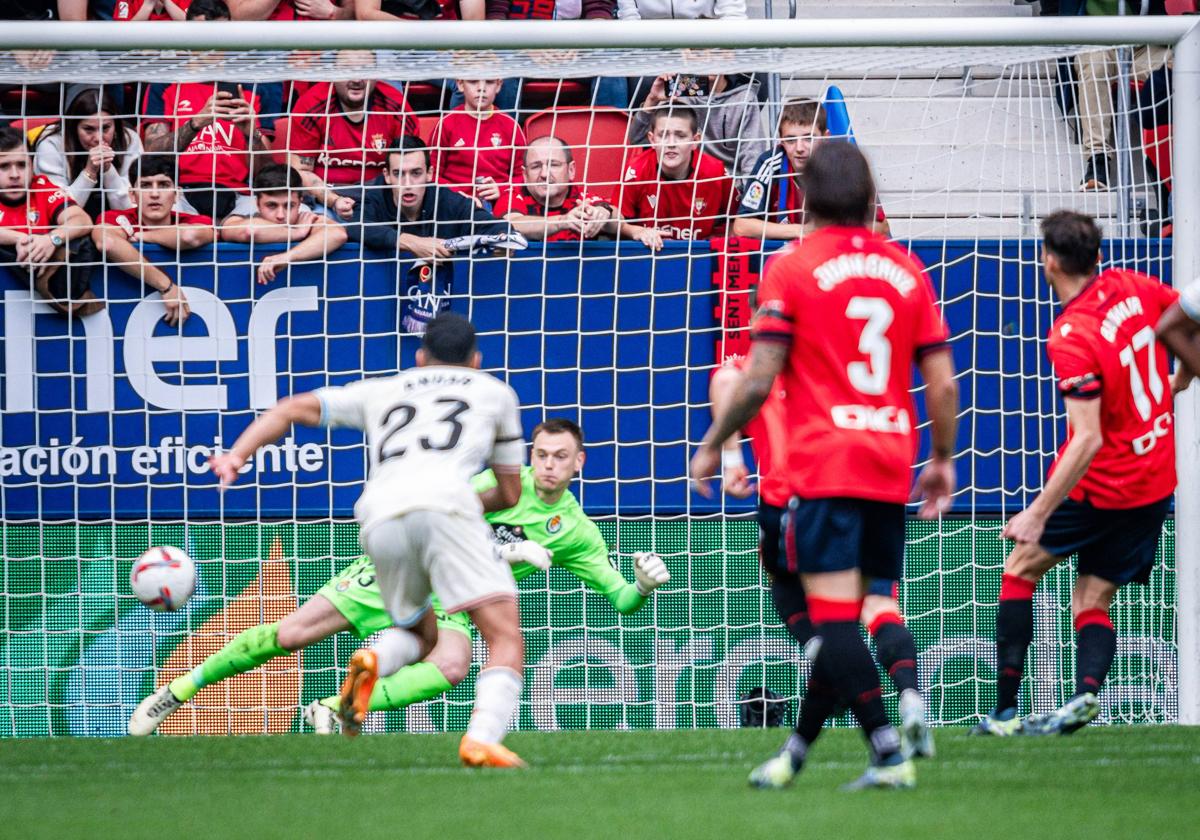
(282, 139)
(551, 93)
(596, 137)
(427, 123)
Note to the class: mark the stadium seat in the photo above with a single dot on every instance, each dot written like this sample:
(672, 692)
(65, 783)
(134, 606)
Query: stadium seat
(427, 123)
(596, 137)
(550, 93)
(282, 139)
(424, 97)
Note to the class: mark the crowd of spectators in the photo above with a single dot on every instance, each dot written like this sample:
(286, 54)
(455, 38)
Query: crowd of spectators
(311, 164)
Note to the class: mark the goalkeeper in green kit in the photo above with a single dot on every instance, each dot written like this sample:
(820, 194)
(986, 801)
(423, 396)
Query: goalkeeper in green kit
(546, 526)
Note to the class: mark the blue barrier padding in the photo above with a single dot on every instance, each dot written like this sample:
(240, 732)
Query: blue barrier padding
(624, 346)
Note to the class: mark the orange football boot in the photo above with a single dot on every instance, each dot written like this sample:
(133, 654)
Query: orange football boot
(356, 691)
(478, 754)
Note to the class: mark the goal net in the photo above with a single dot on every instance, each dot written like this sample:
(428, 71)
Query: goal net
(108, 419)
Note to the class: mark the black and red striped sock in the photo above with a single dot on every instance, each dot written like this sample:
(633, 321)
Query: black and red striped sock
(1014, 633)
(1096, 645)
(819, 704)
(847, 662)
(896, 649)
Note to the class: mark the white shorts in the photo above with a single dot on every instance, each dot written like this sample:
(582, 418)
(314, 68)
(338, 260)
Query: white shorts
(425, 552)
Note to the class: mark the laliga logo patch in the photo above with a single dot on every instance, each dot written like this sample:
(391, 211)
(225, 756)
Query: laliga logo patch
(378, 142)
(630, 174)
(554, 524)
(342, 585)
(754, 196)
(1065, 330)
(425, 273)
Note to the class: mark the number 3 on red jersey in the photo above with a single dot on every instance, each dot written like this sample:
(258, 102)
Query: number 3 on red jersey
(871, 377)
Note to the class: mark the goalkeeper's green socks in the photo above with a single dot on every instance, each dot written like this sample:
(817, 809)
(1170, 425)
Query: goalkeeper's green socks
(245, 652)
(412, 684)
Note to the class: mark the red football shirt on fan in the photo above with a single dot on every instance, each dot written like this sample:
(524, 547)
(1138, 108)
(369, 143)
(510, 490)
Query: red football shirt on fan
(219, 153)
(39, 213)
(349, 152)
(1103, 346)
(767, 431)
(126, 9)
(694, 207)
(855, 311)
(464, 148)
(518, 200)
(130, 219)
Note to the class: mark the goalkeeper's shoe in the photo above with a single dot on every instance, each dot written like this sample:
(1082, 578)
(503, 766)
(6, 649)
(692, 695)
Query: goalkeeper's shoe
(356, 691)
(778, 771)
(894, 773)
(999, 723)
(915, 735)
(322, 719)
(152, 711)
(1077, 713)
(475, 753)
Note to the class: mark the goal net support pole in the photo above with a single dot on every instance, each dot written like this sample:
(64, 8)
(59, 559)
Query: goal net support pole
(1186, 153)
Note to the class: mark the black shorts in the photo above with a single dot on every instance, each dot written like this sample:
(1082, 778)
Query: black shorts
(832, 535)
(1119, 546)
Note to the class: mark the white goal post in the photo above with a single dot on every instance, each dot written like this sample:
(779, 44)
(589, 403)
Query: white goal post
(120, 53)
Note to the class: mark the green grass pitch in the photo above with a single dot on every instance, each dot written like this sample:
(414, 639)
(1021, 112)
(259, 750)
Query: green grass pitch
(1128, 782)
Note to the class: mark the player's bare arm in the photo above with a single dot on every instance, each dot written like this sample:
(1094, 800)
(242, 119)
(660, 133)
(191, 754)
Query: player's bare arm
(935, 484)
(1182, 336)
(1083, 418)
(303, 409)
(735, 478)
(507, 491)
(767, 360)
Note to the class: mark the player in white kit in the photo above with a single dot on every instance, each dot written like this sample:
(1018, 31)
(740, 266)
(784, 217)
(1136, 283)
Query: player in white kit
(428, 430)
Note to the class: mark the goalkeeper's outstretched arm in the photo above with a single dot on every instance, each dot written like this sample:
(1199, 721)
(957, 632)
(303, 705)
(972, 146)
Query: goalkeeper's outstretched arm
(273, 424)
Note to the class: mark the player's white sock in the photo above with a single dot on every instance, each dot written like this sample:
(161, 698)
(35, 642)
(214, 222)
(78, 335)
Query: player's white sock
(396, 648)
(497, 692)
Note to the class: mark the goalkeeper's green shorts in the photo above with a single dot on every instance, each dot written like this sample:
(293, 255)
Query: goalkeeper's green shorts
(355, 594)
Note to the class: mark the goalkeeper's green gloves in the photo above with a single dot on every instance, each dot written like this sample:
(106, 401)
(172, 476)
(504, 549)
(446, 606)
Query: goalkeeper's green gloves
(649, 571)
(525, 551)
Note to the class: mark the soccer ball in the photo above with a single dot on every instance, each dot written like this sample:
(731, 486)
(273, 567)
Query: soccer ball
(163, 578)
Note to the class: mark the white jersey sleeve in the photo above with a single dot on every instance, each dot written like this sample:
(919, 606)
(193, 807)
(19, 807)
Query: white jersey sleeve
(1189, 300)
(344, 406)
(509, 449)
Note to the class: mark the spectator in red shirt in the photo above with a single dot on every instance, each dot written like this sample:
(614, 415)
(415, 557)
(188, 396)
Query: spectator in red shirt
(153, 219)
(673, 190)
(419, 9)
(475, 146)
(341, 134)
(150, 10)
(550, 205)
(292, 9)
(281, 216)
(39, 223)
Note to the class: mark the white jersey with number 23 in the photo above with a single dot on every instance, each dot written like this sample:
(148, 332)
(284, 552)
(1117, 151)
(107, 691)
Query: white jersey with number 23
(429, 430)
